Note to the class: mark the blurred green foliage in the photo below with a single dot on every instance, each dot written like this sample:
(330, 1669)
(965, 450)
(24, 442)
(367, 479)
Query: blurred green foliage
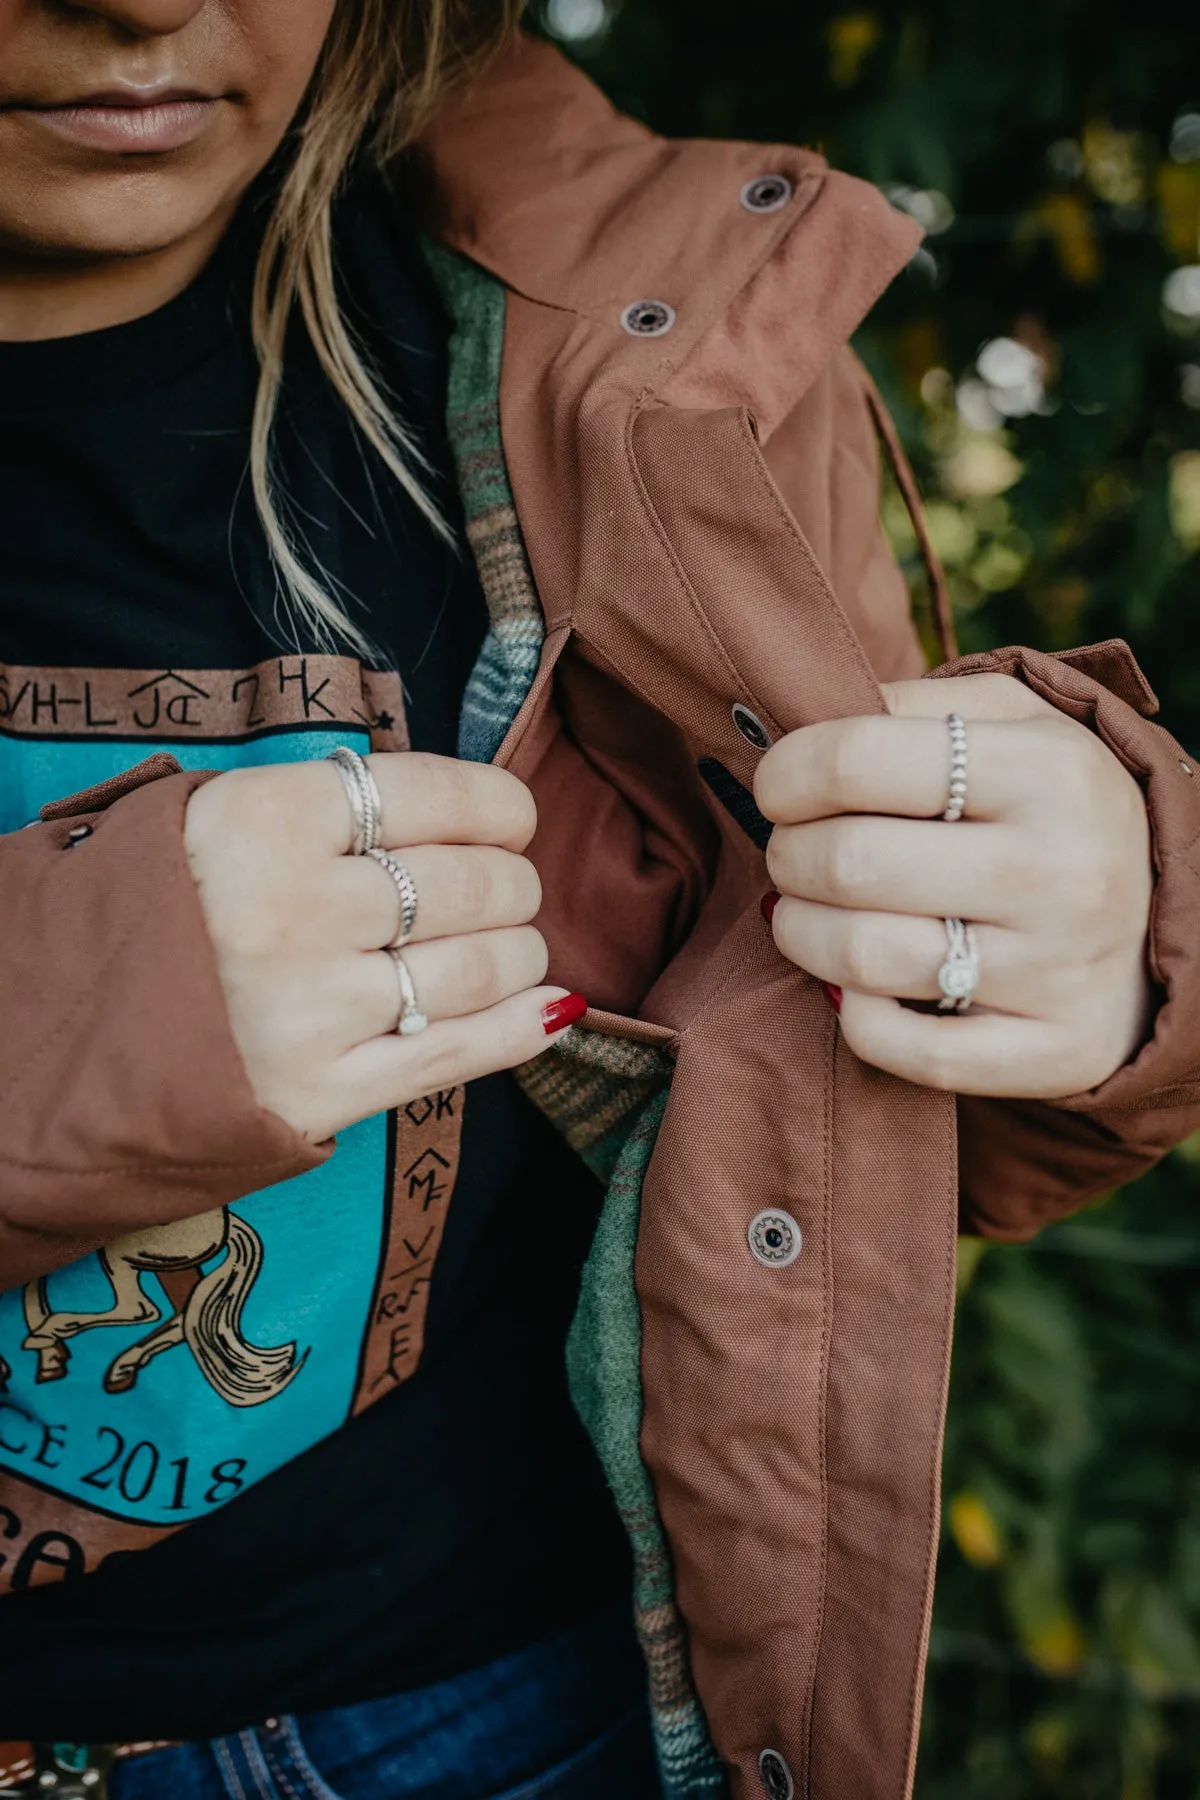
(1043, 358)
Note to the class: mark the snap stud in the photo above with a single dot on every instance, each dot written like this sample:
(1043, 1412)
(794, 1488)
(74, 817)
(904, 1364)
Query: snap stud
(648, 318)
(774, 1238)
(751, 727)
(767, 193)
(775, 1776)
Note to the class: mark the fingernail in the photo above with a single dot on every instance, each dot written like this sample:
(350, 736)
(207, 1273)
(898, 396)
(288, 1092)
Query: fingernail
(561, 1013)
(833, 995)
(767, 905)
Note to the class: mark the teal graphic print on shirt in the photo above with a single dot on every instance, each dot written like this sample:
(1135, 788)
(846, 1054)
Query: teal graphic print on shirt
(155, 1380)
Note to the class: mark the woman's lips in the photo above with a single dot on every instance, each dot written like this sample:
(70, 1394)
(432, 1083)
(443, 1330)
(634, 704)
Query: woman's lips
(129, 129)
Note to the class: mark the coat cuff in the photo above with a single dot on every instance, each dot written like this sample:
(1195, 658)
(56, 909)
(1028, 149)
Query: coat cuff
(1103, 688)
(125, 1102)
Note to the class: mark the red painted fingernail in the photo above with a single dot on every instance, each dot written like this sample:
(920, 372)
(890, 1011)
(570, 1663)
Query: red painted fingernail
(767, 905)
(561, 1013)
(833, 995)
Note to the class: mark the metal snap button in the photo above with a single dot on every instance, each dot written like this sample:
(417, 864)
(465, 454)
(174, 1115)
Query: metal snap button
(76, 835)
(648, 318)
(767, 193)
(774, 1238)
(775, 1776)
(751, 727)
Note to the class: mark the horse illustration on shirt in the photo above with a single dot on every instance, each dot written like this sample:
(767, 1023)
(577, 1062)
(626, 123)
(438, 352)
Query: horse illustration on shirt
(207, 1313)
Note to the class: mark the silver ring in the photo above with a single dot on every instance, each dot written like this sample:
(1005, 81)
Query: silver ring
(958, 976)
(411, 1019)
(956, 799)
(406, 888)
(363, 795)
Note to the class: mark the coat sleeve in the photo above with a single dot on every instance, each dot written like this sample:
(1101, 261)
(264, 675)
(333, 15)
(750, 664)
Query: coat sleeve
(1025, 1163)
(123, 1100)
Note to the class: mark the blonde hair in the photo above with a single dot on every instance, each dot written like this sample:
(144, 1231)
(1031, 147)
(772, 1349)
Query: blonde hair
(385, 69)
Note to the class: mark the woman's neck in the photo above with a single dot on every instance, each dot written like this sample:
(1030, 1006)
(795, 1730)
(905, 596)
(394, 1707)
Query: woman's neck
(48, 298)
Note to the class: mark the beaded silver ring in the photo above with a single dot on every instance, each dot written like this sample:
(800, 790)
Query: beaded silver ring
(956, 799)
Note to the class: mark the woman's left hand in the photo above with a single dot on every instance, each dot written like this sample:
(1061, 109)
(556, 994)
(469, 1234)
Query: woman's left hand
(1051, 863)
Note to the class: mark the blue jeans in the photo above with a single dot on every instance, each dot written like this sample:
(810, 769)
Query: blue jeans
(563, 1719)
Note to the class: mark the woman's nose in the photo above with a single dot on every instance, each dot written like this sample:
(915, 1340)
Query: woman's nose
(143, 18)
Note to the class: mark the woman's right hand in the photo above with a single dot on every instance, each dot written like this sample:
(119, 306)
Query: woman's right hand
(299, 927)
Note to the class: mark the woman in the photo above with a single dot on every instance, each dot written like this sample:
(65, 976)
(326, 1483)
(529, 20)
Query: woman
(293, 1497)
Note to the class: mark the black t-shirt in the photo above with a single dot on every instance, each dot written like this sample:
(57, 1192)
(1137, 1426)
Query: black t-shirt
(331, 1552)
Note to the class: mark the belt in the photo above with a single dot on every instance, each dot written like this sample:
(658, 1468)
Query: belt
(63, 1771)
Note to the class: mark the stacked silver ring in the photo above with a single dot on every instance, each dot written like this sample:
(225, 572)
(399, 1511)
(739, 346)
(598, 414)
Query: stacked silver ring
(411, 1019)
(958, 976)
(363, 795)
(956, 802)
(406, 888)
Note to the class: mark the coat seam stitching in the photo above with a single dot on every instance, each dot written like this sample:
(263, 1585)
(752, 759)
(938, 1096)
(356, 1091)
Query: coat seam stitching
(934, 1498)
(770, 488)
(826, 1348)
(659, 530)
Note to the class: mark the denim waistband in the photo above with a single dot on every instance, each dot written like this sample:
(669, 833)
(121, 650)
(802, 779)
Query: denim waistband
(483, 1732)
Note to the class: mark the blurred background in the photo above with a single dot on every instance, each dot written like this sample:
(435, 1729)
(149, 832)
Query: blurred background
(1042, 356)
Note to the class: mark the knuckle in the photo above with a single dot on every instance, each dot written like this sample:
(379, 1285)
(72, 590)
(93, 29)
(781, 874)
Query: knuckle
(239, 803)
(941, 1063)
(442, 1059)
(848, 751)
(536, 956)
(864, 957)
(767, 782)
(526, 810)
(528, 888)
(473, 887)
(1074, 764)
(847, 863)
(779, 774)
(460, 781)
(252, 933)
(1094, 892)
(476, 972)
(420, 786)
(510, 803)
(777, 855)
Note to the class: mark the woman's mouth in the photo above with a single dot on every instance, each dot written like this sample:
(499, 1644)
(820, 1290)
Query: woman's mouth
(128, 124)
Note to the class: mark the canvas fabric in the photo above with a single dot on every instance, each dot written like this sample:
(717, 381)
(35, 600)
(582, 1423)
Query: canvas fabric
(669, 529)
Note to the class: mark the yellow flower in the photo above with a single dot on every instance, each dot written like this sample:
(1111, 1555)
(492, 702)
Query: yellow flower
(1055, 1644)
(851, 38)
(974, 1531)
(1067, 221)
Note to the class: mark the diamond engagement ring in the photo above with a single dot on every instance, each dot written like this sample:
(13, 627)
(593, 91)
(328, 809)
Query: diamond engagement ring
(365, 805)
(958, 976)
(956, 799)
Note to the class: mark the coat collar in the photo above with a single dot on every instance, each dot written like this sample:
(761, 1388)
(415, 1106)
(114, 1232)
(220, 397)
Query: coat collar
(537, 178)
